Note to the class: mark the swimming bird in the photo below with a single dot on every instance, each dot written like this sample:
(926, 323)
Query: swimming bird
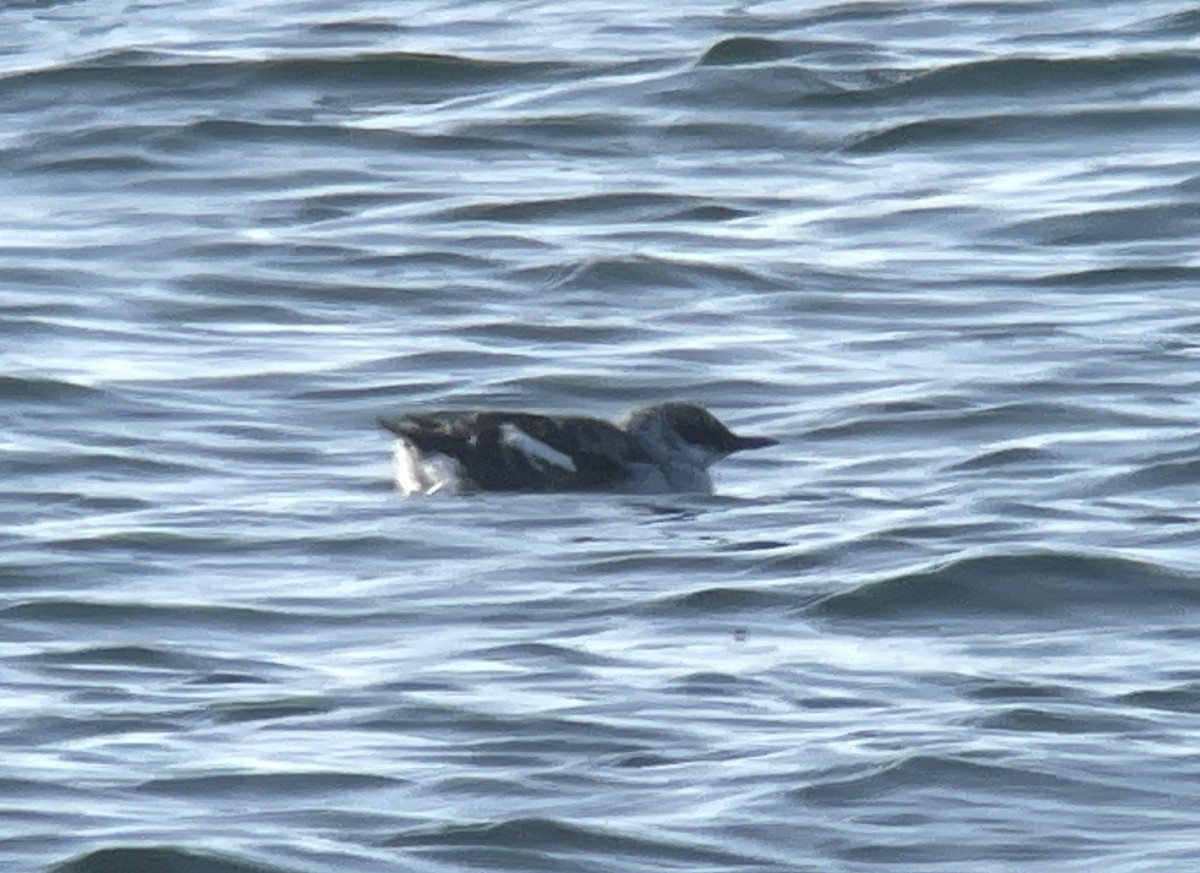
(663, 448)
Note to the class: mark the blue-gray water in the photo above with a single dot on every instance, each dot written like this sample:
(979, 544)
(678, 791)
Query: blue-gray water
(946, 252)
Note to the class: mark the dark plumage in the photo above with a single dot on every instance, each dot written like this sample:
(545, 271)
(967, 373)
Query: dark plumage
(659, 448)
(599, 451)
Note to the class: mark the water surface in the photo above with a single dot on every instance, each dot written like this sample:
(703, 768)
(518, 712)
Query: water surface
(946, 253)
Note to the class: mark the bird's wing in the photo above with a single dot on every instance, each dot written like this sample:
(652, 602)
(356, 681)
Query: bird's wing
(513, 451)
(599, 452)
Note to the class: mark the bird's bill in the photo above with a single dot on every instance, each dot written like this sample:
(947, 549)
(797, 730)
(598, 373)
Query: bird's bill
(754, 442)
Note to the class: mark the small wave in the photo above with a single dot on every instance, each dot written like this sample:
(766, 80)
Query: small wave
(271, 709)
(594, 133)
(773, 88)
(721, 599)
(1026, 719)
(147, 70)
(710, 684)
(1125, 277)
(51, 730)
(643, 562)
(225, 314)
(949, 418)
(122, 656)
(240, 290)
(452, 361)
(133, 149)
(717, 133)
(1153, 475)
(542, 836)
(1158, 222)
(283, 787)
(230, 130)
(33, 389)
(1185, 23)
(423, 69)
(115, 463)
(545, 655)
(747, 50)
(1017, 76)
(527, 333)
(987, 130)
(195, 668)
(54, 611)
(650, 272)
(172, 543)
(957, 776)
(120, 164)
(158, 860)
(237, 130)
(359, 27)
(1179, 698)
(1032, 586)
(633, 207)
(1015, 456)
(1016, 690)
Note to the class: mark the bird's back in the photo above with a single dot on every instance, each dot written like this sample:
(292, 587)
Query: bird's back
(518, 451)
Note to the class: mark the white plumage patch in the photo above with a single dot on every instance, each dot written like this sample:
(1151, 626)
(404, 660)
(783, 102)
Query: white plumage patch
(420, 473)
(535, 450)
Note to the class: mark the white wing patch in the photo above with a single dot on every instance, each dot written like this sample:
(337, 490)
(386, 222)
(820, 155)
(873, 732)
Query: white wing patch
(419, 473)
(534, 449)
